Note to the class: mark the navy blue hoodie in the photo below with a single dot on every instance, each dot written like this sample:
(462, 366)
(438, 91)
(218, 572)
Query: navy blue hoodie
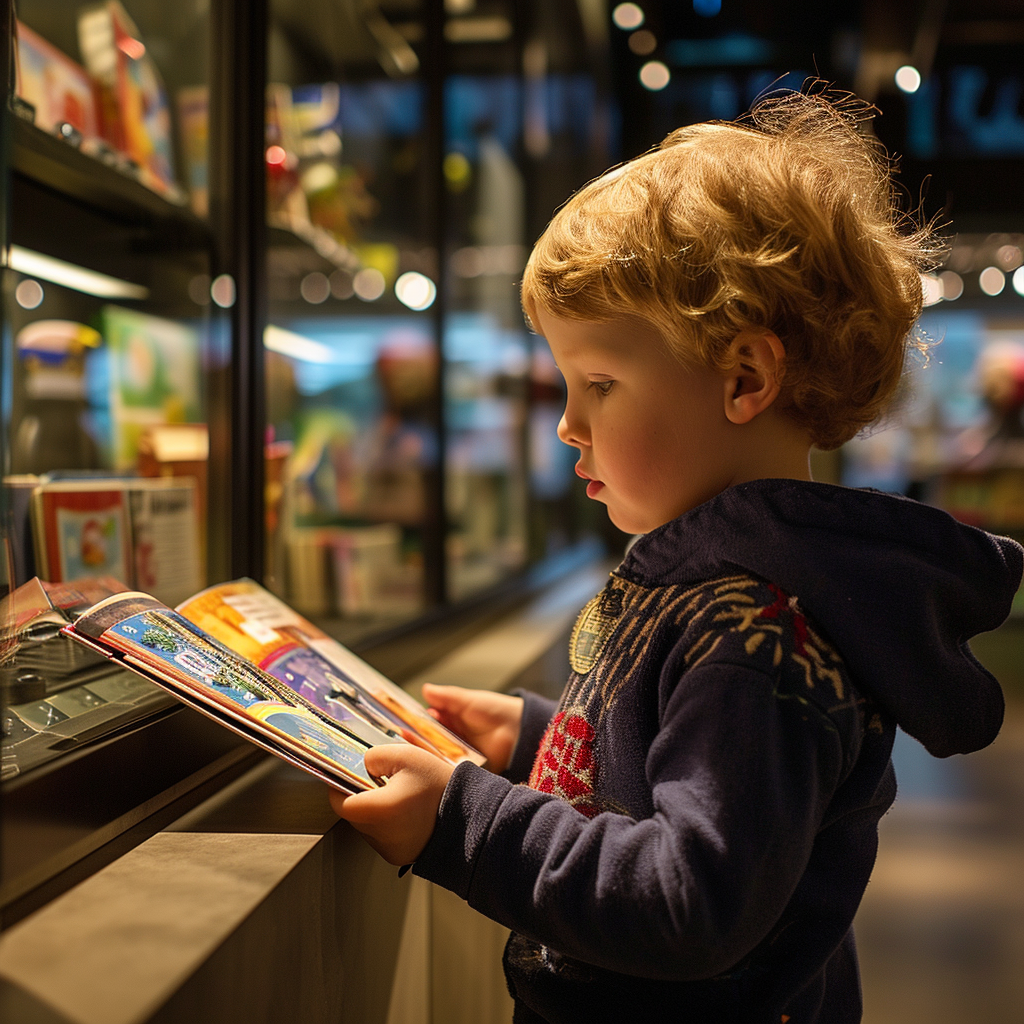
(700, 819)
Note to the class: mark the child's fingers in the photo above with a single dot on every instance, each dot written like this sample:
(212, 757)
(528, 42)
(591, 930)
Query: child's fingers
(337, 800)
(365, 808)
(446, 698)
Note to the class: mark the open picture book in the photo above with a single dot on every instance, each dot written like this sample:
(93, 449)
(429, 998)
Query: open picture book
(240, 655)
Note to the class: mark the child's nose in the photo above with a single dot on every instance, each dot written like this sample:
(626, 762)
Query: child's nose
(571, 430)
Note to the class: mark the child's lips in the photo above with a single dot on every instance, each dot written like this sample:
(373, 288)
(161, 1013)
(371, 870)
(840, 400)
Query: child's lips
(593, 486)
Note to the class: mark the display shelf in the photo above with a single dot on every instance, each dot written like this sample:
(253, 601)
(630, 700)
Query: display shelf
(55, 164)
(309, 236)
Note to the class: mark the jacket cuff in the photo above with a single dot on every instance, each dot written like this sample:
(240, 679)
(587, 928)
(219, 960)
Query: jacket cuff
(470, 801)
(537, 714)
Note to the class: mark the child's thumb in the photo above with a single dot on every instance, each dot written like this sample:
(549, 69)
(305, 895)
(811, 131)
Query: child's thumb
(390, 758)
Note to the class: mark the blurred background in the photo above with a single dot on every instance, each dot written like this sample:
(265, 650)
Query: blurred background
(265, 255)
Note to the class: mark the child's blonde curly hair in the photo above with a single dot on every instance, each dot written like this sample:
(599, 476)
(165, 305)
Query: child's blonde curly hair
(785, 220)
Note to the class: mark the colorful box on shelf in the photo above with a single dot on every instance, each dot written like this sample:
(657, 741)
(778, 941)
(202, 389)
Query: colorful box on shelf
(115, 108)
(59, 91)
(135, 115)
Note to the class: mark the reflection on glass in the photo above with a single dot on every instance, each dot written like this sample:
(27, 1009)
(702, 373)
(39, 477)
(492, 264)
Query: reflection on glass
(352, 366)
(107, 359)
(352, 444)
(486, 346)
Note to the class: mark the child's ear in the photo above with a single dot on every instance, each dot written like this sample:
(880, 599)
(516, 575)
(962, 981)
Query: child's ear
(758, 360)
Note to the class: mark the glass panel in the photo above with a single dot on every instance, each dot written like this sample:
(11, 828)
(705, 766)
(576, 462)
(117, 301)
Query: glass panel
(108, 334)
(486, 346)
(351, 357)
(569, 136)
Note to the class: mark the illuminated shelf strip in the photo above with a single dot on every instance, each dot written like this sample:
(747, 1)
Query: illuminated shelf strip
(35, 264)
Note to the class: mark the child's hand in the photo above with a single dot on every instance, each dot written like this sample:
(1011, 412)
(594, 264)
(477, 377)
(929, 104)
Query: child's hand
(397, 819)
(490, 721)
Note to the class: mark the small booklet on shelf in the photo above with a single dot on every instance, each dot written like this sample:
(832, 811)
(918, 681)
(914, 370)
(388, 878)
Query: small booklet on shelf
(240, 655)
(141, 530)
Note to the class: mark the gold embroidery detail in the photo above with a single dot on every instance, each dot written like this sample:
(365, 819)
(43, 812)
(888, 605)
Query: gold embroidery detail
(753, 642)
(594, 625)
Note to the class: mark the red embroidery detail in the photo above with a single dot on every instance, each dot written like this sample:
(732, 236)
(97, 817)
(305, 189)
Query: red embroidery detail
(565, 765)
(779, 606)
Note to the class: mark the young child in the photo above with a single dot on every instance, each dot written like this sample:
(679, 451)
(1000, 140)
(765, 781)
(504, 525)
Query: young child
(687, 836)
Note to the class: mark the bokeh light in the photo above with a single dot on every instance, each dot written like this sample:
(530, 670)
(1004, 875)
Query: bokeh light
(415, 290)
(707, 8)
(952, 285)
(643, 42)
(222, 291)
(908, 78)
(29, 294)
(1018, 280)
(654, 75)
(931, 289)
(628, 16)
(992, 280)
(369, 284)
(341, 284)
(457, 171)
(315, 288)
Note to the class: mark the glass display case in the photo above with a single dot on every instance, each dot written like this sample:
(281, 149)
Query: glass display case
(352, 365)
(261, 319)
(409, 456)
(113, 343)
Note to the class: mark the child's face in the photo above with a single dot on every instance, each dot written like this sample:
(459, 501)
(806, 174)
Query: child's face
(653, 436)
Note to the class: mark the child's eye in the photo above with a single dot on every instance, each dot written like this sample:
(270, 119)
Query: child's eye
(604, 386)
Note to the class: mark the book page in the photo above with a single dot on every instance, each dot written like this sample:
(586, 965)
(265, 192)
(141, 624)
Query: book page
(169, 649)
(259, 626)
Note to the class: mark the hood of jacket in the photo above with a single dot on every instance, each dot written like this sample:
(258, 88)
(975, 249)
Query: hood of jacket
(898, 587)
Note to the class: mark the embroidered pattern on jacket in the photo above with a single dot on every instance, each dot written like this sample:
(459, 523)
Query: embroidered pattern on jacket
(565, 762)
(594, 625)
(614, 632)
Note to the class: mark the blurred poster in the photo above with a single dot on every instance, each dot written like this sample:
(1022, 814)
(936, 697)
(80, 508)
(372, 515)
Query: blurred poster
(154, 377)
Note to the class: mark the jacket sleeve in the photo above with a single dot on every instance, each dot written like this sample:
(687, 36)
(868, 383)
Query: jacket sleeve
(537, 713)
(740, 779)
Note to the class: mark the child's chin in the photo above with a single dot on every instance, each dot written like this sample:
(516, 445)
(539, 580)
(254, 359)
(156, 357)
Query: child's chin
(628, 523)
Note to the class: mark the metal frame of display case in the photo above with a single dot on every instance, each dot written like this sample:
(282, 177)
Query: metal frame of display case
(87, 807)
(238, 217)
